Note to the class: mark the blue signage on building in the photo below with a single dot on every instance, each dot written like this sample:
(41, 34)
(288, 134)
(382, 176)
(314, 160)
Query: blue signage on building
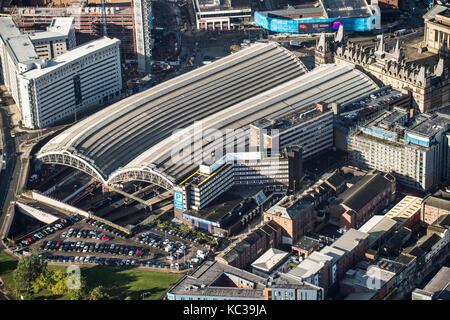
(178, 200)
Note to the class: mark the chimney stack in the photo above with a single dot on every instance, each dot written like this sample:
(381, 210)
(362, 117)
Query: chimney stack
(322, 106)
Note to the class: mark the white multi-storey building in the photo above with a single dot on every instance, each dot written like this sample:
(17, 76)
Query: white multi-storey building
(85, 76)
(47, 91)
(17, 54)
(417, 156)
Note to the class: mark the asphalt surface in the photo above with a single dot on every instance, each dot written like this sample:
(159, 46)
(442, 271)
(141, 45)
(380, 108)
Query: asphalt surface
(9, 176)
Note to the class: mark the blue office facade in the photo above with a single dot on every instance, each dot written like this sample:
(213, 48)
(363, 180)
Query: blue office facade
(315, 25)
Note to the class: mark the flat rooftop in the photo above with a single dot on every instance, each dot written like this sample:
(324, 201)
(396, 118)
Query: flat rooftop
(392, 117)
(218, 5)
(350, 240)
(306, 243)
(8, 28)
(223, 205)
(346, 8)
(22, 48)
(45, 35)
(431, 126)
(296, 11)
(71, 56)
(362, 279)
(270, 259)
(439, 199)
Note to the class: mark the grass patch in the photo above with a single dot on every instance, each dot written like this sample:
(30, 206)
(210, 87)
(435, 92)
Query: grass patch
(132, 283)
(120, 283)
(7, 266)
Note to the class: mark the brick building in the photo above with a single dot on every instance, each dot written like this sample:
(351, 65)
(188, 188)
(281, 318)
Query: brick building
(407, 212)
(434, 206)
(359, 203)
(295, 216)
(253, 246)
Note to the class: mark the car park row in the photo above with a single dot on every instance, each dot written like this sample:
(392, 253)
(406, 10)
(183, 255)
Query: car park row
(44, 232)
(117, 262)
(82, 246)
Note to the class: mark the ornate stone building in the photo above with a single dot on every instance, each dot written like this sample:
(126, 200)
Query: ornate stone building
(428, 86)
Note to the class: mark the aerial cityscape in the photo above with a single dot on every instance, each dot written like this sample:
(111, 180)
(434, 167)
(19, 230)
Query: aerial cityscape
(224, 150)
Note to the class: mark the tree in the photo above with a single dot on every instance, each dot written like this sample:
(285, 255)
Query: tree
(58, 285)
(41, 282)
(99, 293)
(29, 268)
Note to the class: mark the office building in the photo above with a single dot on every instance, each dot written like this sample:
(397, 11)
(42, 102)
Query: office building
(17, 55)
(310, 127)
(87, 21)
(86, 76)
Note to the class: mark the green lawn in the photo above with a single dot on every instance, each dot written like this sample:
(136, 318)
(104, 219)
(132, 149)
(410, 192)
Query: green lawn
(122, 283)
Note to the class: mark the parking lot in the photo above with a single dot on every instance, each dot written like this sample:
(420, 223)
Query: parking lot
(364, 107)
(79, 240)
